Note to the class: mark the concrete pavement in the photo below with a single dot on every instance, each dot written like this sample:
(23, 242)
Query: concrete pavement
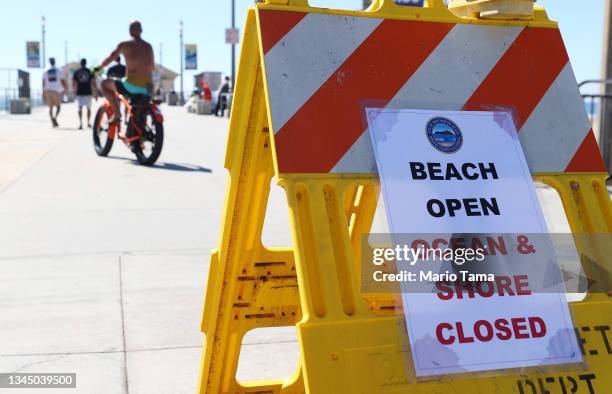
(103, 262)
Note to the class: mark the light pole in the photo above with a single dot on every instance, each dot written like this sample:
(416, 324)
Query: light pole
(605, 122)
(182, 97)
(233, 45)
(43, 22)
(160, 54)
(65, 52)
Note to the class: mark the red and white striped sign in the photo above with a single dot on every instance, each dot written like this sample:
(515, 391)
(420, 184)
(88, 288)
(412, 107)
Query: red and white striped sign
(322, 70)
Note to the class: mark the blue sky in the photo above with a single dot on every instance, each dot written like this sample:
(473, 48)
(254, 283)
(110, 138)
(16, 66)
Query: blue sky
(92, 29)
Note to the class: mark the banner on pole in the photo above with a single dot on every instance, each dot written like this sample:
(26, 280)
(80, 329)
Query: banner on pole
(33, 54)
(232, 36)
(191, 57)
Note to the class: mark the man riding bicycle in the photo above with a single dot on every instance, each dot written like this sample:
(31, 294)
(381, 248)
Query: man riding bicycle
(140, 63)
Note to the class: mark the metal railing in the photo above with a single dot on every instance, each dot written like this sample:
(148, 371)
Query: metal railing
(6, 95)
(594, 100)
(10, 86)
(599, 108)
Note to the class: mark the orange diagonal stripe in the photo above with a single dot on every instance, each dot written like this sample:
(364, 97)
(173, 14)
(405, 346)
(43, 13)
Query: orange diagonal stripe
(326, 126)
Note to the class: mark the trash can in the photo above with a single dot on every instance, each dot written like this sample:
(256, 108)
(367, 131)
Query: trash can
(204, 107)
(21, 106)
(172, 98)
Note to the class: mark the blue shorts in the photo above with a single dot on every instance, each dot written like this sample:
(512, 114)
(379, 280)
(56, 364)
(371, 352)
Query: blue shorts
(123, 86)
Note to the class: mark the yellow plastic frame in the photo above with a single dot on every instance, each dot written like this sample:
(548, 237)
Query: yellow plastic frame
(350, 343)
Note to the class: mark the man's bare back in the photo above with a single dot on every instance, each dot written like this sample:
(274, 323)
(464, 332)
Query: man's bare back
(138, 56)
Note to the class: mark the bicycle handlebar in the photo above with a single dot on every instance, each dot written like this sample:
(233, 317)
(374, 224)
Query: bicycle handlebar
(97, 71)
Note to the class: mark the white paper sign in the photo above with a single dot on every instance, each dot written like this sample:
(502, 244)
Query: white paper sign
(450, 172)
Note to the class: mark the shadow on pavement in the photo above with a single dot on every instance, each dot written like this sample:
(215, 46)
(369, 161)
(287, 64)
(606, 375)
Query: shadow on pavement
(180, 167)
(68, 128)
(167, 166)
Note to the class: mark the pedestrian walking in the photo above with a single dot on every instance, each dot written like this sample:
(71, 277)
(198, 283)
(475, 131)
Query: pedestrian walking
(53, 86)
(222, 97)
(117, 70)
(84, 86)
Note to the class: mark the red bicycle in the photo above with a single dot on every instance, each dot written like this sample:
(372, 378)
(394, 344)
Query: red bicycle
(144, 128)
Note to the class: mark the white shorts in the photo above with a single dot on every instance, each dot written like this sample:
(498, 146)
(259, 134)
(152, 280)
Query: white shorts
(84, 101)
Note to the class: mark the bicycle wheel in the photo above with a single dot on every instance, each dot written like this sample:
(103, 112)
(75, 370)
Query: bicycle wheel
(149, 147)
(101, 140)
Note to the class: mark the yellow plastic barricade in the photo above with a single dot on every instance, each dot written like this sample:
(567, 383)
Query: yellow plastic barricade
(495, 9)
(297, 115)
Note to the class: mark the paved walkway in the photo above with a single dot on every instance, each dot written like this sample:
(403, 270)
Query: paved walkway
(103, 262)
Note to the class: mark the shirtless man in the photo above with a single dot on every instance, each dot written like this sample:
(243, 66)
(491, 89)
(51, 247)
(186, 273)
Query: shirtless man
(140, 62)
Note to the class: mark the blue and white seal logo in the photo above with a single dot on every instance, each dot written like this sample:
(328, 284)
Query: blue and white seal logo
(444, 135)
